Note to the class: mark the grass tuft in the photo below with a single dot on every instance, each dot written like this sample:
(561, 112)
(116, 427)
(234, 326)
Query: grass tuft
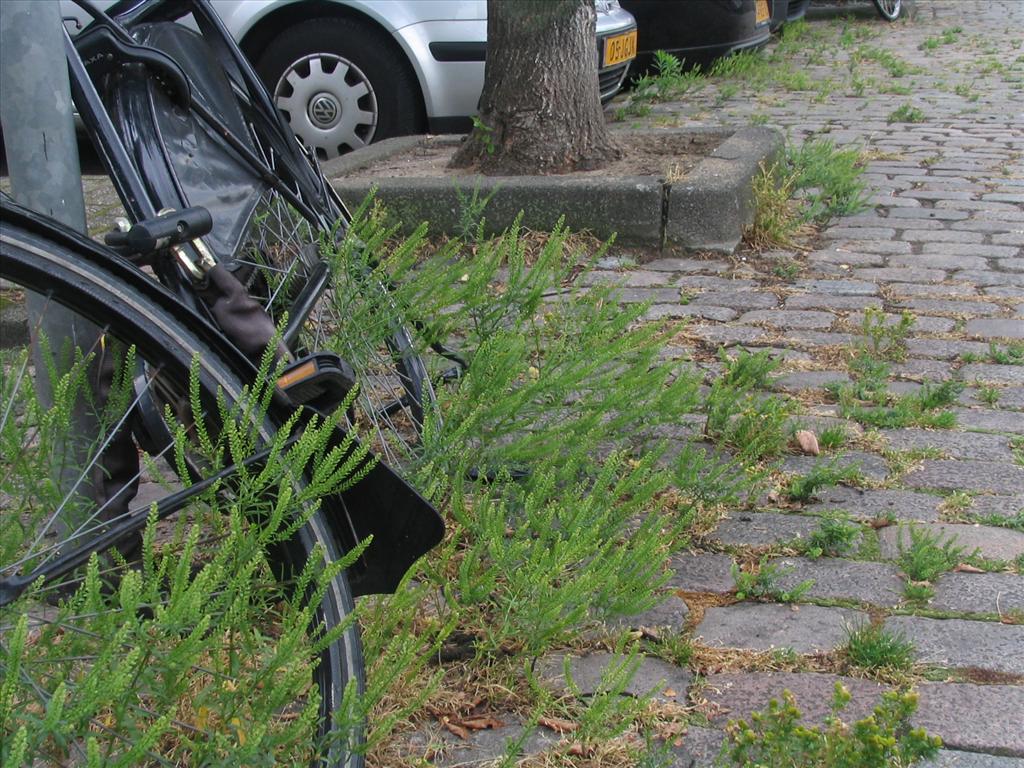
(872, 647)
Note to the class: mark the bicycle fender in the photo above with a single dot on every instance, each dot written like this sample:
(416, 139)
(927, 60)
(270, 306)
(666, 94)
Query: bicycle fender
(403, 524)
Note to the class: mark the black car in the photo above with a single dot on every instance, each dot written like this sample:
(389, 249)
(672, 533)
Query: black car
(700, 31)
(797, 9)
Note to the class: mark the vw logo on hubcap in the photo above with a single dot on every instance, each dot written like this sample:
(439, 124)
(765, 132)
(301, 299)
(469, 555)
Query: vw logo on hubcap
(324, 110)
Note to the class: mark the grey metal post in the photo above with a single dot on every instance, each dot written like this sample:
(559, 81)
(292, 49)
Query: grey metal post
(42, 158)
(35, 109)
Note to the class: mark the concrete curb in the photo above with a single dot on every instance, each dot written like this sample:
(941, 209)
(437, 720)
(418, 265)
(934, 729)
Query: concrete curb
(707, 210)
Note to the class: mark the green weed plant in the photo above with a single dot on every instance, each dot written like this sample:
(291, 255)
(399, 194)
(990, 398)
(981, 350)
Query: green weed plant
(562, 498)
(872, 647)
(741, 415)
(927, 555)
(822, 475)
(906, 113)
(867, 398)
(835, 536)
(762, 583)
(779, 737)
(198, 653)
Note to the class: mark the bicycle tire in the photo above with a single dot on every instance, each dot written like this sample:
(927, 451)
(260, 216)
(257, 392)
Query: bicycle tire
(272, 247)
(131, 309)
(889, 9)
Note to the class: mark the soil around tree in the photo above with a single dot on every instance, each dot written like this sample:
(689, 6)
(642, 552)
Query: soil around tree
(669, 156)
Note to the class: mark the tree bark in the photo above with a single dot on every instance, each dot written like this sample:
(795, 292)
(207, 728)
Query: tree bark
(540, 111)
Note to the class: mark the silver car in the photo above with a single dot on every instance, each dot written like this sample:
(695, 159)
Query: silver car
(348, 72)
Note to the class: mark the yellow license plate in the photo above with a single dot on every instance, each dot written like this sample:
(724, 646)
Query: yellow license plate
(763, 13)
(620, 48)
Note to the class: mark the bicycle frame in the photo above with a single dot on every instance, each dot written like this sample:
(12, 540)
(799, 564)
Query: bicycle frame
(141, 178)
(403, 525)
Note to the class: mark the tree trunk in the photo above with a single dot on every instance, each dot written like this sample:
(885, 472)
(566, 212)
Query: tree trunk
(540, 111)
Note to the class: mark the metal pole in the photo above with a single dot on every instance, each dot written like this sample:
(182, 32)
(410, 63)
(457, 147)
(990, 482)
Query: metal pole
(36, 111)
(42, 159)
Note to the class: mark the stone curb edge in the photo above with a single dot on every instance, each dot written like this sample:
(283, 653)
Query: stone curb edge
(707, 210)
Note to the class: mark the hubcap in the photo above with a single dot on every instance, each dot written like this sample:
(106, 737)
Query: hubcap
(329, 103)
(324, 110)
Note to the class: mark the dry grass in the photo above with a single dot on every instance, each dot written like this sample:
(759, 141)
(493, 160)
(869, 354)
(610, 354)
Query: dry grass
(699, 602)
(711, 661)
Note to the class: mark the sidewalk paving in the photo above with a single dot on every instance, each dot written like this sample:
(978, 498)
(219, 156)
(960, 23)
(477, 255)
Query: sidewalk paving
(944, 239)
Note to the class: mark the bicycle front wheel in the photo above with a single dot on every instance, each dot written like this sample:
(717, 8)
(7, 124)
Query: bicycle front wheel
(889, 9)
(219, 633)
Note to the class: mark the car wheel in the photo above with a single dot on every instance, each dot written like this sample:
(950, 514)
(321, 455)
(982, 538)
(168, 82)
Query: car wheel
(340, 85)
(889, 9)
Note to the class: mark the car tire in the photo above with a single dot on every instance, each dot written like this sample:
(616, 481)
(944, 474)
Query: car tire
(341, 85)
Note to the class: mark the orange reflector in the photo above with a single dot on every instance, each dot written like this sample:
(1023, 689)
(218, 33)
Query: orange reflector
(304, 371)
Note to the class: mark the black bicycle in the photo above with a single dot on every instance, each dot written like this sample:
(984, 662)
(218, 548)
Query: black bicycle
(211, 387)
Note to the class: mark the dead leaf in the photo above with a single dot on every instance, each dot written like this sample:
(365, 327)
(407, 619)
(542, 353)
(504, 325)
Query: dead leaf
(807, 441)
(968, 568)
(579, 750)
(458, 730)
(481, 723)
(558, 724)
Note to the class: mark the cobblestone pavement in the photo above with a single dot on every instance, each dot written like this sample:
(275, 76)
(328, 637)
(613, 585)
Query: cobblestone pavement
(944, 240)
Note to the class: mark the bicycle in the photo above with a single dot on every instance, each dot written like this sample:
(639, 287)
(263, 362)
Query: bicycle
(889, 9)
(185, 360)
(231, 152)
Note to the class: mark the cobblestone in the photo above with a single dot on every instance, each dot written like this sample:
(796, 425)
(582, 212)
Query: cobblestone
(989, 420)
(737, 695)
(755, 529)
(990, 542)
(995, 328)
(835, 579)
(969, 251)
(870, 504)
(948, 758)
(804, 380)
(805, 320)
(968, 476)
(768, 626)
(988, 372)
(590, 674)
(983, 718)
(979, 593)
(955, 445)
(830, 302)
(901, 274)
(663, 311)
(998, 506)
(946, 306)
(839, 287)
(945, 290)
(869, 465)
(963, 644)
